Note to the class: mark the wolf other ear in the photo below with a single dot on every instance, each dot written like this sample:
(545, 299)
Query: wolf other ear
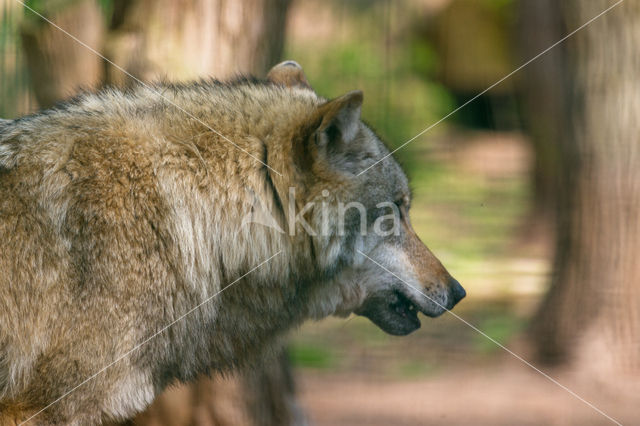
(288, 74)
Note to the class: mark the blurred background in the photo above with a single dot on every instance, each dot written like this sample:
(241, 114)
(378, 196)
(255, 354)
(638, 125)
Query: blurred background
(529, 193)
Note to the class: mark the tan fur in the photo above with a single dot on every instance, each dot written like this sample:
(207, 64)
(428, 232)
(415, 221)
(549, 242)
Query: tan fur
(119, 213)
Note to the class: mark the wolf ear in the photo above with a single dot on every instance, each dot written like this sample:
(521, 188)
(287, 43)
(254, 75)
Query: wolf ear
(336, 136)
(342, 115)
(289, 74)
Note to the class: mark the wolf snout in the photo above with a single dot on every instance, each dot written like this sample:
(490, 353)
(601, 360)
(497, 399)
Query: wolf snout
(456, 292)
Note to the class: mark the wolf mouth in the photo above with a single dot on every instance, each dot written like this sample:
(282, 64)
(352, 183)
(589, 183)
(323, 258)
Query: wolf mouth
(405, 308)
(393, 311)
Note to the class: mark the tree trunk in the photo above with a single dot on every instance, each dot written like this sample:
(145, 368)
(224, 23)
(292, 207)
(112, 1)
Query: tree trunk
(186, 39)
(594, 300)
(58, 66)
(541, 92)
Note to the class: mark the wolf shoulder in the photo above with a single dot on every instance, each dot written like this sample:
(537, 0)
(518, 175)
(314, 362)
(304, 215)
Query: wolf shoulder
(91, 126)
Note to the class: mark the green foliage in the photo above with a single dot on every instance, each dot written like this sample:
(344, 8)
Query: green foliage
(311, 356)
(361, 330)
(503, 8)
(37, 5)
(48, 7)
(500, 327)
(465, 218)
(107, 8)
(394, 71)
(55, 5)
(14, 80)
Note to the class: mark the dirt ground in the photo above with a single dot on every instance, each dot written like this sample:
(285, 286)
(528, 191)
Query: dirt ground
(506, 394)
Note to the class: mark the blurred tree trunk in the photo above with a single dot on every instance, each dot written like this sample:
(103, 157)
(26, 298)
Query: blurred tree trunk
(175, 40)
(58, 66)
(184, 39)
(592, 311)
(541, 91)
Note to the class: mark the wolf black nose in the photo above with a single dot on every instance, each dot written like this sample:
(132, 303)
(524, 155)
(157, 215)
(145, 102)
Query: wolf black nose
(457, 291)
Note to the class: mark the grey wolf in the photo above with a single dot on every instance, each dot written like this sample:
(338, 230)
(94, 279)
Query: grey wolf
(119, 213)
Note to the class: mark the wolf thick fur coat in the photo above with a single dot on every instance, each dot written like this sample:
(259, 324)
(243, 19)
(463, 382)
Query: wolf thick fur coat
(120, 212)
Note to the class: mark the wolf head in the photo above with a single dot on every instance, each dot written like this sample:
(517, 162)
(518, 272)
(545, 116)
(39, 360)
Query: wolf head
(363, 238)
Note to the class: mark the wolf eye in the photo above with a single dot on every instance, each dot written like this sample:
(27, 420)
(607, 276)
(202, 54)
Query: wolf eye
(400, 204)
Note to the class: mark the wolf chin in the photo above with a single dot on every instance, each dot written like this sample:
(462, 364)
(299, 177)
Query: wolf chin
(122, 211)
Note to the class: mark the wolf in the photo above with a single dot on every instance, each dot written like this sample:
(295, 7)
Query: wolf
(127, 262)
